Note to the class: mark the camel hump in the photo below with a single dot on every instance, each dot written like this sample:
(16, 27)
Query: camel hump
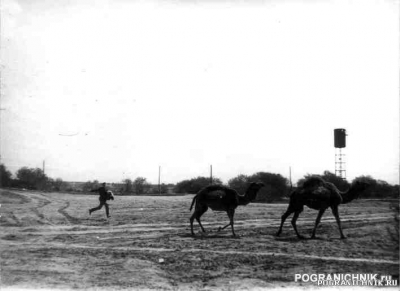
(212, 188)
(332, 187)
(321, 191)
(314, 182)
(217, 187)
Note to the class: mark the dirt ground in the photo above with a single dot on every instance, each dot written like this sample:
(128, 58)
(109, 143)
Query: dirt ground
(48, 240)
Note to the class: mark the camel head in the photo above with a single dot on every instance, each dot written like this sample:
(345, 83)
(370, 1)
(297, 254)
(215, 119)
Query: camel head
(252, 190)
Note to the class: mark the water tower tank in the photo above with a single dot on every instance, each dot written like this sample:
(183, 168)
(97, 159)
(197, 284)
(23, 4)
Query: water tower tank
(340, 137)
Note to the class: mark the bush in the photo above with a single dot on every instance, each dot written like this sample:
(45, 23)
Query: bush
(31, 178)
(5, 177)
(194, 185)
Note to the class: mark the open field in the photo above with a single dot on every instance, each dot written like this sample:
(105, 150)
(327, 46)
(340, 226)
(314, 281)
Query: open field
(48, 240)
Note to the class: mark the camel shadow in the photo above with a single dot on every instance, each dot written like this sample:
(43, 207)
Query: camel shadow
(202, 236)
(291, 239)
(216, 236)
(297, 239)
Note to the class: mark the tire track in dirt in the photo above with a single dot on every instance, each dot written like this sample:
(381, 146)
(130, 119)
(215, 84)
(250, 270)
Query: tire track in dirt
(41, 203)
(42, 218)
(35, 210)
(21, 198)
(359, 260)
(15, 218)
(70, 219)
(46, 202)
(35, 203)
(197, 250)
(163, 227)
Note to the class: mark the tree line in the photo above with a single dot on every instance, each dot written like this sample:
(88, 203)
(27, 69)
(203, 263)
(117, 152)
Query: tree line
(29, 178)
(276, 187)
(36, 179)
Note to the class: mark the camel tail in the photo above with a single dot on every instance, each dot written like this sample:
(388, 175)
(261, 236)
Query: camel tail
(193, 201)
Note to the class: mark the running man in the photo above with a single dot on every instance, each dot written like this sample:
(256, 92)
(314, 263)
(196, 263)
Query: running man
(103, 199)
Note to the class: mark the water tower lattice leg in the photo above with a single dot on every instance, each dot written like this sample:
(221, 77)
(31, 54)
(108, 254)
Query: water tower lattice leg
(340, 164)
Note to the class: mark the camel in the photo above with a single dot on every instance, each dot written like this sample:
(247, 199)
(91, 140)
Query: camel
(320, 195)
(221, 198)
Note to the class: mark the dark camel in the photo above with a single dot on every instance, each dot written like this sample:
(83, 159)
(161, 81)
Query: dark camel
(320, 195)
(221, 198)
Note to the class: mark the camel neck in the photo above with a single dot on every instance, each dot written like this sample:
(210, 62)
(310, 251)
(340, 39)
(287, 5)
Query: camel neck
(349, 195)
(244, 200)
(249, 196)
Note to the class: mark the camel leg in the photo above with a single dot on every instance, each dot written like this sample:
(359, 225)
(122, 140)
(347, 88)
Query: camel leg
(231, 213)
(202, 228)
(294, 219)
(335, 211)
(222, 228)
(196, 215)
(283, 218)
(230, 221)
(320, 213)
(191, 222)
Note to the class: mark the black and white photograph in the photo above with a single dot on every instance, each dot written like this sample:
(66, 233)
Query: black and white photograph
(199, 145)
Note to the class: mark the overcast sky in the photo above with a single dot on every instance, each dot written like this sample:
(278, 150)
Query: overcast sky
(110, 90)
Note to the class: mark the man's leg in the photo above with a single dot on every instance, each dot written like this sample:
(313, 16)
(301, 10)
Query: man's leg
(107, 210)
(96, 208)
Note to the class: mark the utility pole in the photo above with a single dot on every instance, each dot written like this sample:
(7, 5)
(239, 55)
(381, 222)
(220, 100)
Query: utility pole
(159, 179)
(44, 167)
(211, 179)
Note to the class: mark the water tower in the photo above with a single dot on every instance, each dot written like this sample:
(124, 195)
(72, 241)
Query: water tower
(340, 143)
